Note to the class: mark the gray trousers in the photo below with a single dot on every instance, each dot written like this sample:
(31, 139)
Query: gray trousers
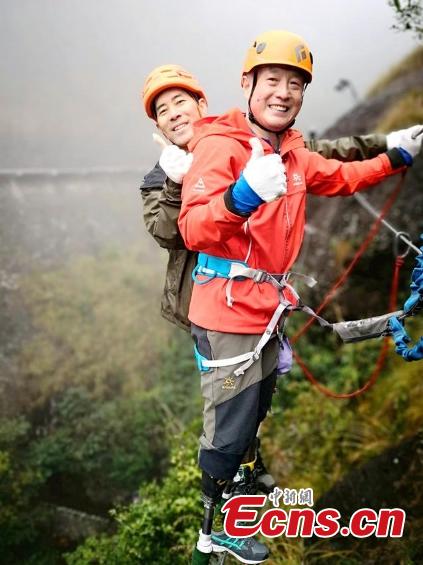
(233, 406)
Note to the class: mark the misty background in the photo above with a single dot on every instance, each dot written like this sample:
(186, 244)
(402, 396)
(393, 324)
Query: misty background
(93, 382)
(71, 71)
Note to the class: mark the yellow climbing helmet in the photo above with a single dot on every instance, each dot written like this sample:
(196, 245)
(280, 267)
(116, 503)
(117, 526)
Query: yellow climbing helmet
(280, 48)
(164, 77)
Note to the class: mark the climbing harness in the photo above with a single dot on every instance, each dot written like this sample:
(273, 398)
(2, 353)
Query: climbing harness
(210, 267)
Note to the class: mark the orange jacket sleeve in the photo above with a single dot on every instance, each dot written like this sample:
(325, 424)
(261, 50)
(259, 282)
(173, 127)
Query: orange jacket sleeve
(329, 177)
(204, 219)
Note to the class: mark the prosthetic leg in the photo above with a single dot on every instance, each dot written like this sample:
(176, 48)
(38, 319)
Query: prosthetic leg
(218, 543)
(212, 491)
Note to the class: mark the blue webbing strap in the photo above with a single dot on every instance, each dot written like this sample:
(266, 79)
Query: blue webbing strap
(211, 267)
(413, 303)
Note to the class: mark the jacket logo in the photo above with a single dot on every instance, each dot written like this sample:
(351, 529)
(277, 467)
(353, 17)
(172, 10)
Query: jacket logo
(297, 179)
(229, 383)
(199, 186)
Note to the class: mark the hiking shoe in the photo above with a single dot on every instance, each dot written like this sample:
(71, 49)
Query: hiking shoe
(263, 479)
(246, 550)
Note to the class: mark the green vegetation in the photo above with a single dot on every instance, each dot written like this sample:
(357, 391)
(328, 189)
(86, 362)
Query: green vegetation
(102, 387)
(89, 322)
(105, 386)
(162, 527)
(310, 440)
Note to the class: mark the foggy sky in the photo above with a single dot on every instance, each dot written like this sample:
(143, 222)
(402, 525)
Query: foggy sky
(71, 70)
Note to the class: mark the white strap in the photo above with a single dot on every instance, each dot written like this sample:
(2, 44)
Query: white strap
(250, 244)
(264, 338)
(226, 362)
(251, 356)
(256, 275)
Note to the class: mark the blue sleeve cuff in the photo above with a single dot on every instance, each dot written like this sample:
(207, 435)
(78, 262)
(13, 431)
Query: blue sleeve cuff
(408, 159)
(244, 198)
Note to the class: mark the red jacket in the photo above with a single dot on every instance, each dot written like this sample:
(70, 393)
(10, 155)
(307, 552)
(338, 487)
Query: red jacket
(221, 149)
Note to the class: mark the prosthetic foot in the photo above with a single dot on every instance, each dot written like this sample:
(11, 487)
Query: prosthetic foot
(245, 550)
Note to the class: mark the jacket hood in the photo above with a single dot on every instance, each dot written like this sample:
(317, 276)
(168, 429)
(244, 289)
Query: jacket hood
(234, 124)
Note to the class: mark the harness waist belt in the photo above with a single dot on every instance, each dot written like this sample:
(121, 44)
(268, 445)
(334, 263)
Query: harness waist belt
(211, 267)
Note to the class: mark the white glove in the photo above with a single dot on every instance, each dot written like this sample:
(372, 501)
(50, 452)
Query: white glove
(174, 161)
(265, 174)
(409, 139)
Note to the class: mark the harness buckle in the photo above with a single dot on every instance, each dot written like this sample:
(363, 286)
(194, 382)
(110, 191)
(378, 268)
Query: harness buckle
(260, 276)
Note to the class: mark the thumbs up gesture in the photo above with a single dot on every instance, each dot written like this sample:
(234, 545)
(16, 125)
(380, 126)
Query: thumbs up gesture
(174, 161)
(265, 174)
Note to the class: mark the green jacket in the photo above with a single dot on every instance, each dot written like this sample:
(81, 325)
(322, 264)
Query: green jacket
(162, 202)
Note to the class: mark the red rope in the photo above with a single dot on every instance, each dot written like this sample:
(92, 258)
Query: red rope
(399, 262)
(374, 229)
(380, 362)
(373, 377)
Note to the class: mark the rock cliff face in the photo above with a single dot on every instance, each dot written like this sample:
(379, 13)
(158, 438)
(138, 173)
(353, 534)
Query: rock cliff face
(364, 117)
(337, 226)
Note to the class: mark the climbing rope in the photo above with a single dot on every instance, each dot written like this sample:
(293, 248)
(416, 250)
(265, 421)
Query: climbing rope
(373, 231)
(380, 362)
(399, 261)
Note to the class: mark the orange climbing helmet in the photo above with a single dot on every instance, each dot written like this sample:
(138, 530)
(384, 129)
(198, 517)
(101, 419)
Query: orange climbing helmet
(164, 77)
(280, 48)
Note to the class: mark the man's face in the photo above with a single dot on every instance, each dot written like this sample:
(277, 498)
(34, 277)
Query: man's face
(277, 97)
(176, 112)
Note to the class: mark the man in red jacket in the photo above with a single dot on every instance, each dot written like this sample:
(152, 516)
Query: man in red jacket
(243, 209)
